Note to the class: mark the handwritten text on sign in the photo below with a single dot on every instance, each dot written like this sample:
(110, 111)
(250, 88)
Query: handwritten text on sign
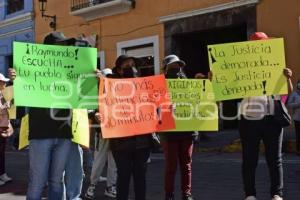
(134, 106)
(248, 69)
(55, 76)
(196, 109)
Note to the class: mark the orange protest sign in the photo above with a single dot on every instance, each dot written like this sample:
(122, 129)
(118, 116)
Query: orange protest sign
(134, 106)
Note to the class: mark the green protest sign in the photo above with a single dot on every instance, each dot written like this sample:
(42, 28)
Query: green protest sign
(53, 76)
(195, 106)
(246, 69)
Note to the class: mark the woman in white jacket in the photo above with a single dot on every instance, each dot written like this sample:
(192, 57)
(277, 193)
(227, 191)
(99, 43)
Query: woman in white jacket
(258, 124)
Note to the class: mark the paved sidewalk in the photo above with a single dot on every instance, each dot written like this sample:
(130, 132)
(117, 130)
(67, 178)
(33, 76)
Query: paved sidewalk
(216, 176)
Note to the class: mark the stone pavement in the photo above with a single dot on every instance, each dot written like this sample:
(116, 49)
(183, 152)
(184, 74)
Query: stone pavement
(216, 176)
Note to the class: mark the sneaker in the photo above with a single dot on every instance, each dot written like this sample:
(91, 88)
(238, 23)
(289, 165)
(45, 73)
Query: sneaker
(111, 192)
(149, 160)
(90, 193)
(102, 179)
(187, 197)
(251, 198)
(2, 183)
(4, 178)
(276, 197)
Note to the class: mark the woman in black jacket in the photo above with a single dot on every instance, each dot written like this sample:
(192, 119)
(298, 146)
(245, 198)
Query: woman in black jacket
(130, 153)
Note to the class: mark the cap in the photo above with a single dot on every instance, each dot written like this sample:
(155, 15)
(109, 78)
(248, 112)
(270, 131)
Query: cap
(2, 78)
(107, 71)
(172, 59)
(58, 37)
(122, 58)
(258, 36)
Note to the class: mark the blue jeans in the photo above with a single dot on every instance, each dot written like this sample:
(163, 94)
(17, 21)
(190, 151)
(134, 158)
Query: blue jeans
(74, 173)
(47, 162)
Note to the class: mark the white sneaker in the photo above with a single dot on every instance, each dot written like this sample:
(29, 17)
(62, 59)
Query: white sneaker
(251, 198)
(276, 197)
(102, 179)
(4, 178)
(111, 192)
(2, 183)
(90, 193)
(149, 160)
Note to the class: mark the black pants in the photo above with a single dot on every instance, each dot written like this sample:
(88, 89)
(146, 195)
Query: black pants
(2, 155)
(251, 133)
(131, 162)
(297, 127)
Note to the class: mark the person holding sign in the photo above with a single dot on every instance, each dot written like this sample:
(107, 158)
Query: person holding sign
(177, 145)
(130, 153)
(258, 123)
(102, 155)
(49, 143)
(294, 104)
(5, 130)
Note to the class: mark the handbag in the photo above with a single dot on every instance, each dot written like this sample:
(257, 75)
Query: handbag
(281, 113)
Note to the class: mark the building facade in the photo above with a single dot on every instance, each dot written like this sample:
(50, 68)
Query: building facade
(151, 29)
(16, 24)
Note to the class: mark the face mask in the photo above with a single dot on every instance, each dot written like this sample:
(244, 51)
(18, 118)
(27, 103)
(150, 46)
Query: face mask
(128, 72)
(175, 73)
(172, 73)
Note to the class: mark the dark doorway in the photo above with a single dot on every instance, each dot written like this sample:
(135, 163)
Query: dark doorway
(192, 48)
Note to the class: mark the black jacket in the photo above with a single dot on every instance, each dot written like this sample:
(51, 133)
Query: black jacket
(131, 143)
(43, 126)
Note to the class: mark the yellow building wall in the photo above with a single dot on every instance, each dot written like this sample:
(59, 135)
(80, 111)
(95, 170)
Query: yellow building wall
(275, 17)
(142, 21)
(281, 19)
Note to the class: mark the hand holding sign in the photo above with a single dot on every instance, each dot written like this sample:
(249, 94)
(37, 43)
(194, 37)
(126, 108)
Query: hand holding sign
(11, 74)
(288, 73)
(99, 117)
